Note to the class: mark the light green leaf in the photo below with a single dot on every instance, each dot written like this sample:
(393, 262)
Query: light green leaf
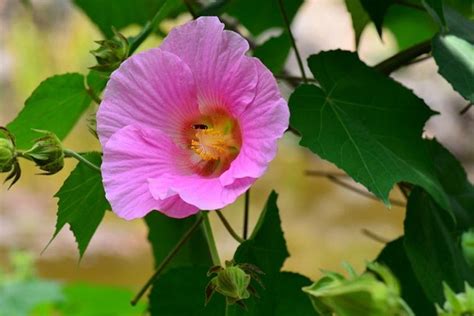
(121, 13)
(367, 124)
(56, 105)
(82, 203)
(454, 54)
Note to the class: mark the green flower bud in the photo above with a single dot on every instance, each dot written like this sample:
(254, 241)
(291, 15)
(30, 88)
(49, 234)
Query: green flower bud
(374, 293)
(457, 304)
(467, 242)
(233, 282)
(47, 153)
(8, 156)
(111, 53)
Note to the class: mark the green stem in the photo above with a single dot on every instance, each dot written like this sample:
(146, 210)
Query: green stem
(410, 5)
(228, 227)
(404, 57)
(73, 154)
(187, 235)
(246, 213)
(149, 28)
(93, 96)
(206, 225)
(190, 8)
(292, 39)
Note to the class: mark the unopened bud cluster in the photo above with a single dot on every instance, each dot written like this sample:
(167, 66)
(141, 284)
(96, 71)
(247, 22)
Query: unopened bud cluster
(111, 53)
(47, 152)
(461, 304)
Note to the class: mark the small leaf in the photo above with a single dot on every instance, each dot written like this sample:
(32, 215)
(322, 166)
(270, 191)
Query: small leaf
(55, 105)
(454, 54)
(82, 203)
(354, 120)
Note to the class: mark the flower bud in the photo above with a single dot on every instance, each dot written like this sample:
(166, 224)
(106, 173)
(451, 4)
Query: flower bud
(47, 153)
(111, 53)
(363, 295)
(8, 156)
(467, 242)
(457, 304)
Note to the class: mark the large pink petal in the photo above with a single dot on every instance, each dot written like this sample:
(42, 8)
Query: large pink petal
(224, 75)
(131, 156)
(262, 123)
(154, 89)
(205, 193)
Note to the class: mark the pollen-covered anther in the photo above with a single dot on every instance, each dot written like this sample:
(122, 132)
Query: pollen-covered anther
(210, 144)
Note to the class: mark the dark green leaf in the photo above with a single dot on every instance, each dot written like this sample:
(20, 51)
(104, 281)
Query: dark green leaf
(377, 10)
(274, 52)
(454, 54)
(82, 203)
(99, 300)
(435, 8)
(96, 81)
(55, 105)
(359, 17)
(120, 13)
(258, 16)
(367, 124)
(394, 256)
(180, 292)
(266, 249)
(433, 248)
(163, 234)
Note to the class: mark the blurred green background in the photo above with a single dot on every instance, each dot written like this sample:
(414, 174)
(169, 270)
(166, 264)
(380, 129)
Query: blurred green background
(323, 222)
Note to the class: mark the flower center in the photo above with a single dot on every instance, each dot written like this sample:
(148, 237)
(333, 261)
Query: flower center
(215, 141)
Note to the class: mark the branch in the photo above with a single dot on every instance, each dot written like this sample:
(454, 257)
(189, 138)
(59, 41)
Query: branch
(403, 58)
(466, 108)
(246, 213)
(72, 154)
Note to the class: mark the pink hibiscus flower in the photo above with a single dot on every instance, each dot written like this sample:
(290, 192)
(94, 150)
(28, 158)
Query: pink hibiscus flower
(189, 125)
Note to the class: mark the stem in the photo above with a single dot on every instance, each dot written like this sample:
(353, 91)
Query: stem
(294, 78)
(190, 9)
(410, 5)
(228, 227)
(466, 108)
(93, 96)
(149, 28)
(317, 173)
(210, 239)
(73, 154)
(246, 213)
(404, 57)
(292, 39)
(374, 236)
(168, 258)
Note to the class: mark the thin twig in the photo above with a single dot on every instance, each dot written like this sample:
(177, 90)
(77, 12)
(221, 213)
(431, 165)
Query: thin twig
(187, 235)
(246, 213)
(70, 153)
(318, 173)
(418, 60)
(362, 192)
(402, 58)
(93, 96)
(294, 78)
(228, 227)
(466, 108)
(292, 39)
(374, 236)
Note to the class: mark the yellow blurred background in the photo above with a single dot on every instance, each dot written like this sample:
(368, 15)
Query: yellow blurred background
(323, 222)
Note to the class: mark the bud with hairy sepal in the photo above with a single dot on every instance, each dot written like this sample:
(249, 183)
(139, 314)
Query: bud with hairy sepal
(8, 156)
(457, 304)
(47, 152)
(373, 293)
(233, 281)
(111, 53)
(467, 242)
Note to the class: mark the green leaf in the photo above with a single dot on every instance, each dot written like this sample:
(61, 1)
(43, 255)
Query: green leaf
(354, 120)
(266, 249)
(274, 52)
(377, 10)
(56, 105)
(258, 16)
(82, 203)
(20, 297)
(435, 9)
(163, 234)
(432, 246)
(121, 13)
(359, 17)
(394, 257)
(454, 54)
(181, 292)
(98, 300)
